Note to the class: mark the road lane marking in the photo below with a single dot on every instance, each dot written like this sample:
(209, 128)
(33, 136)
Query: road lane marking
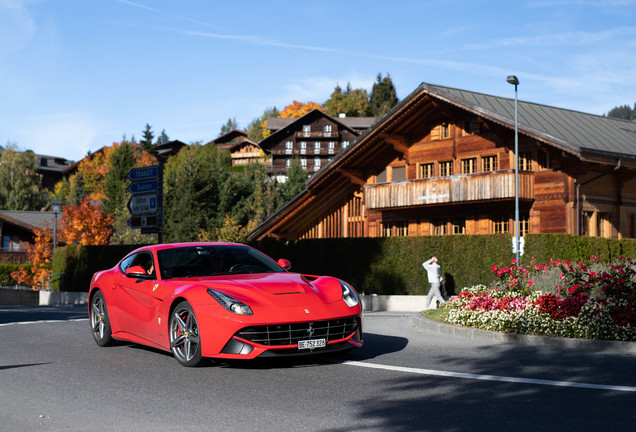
(490, 377)
(42, 321)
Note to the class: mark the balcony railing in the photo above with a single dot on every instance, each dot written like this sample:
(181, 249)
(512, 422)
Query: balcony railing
(493, 185)
(317, 134)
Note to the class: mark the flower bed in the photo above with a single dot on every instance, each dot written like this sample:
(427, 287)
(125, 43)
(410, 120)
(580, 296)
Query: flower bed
(579, 300)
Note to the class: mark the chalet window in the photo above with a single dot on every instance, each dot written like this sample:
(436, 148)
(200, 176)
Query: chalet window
(316, 163)
(287, 163)
(394, 229)
(381, 177)
(332, 147)
(603, 224)
(317, 147)
(307, 130)
(426, 170)
(303, 162)
(444, 131)
(11, 242)
(438, 227)
(399, 174)
(468, 127)
(468, 165)
(544, 160)
(525, 161)
(289, 147)
(489, 163)
(446, 168)
(524, 224)
(345, 144)
(458, 226)
(327, 130)
(500, 224)
(303, 147)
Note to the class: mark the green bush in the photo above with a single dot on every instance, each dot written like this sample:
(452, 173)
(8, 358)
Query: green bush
(5, 272)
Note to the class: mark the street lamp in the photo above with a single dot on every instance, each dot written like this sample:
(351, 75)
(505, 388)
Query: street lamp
(515, 82)
(56, 205)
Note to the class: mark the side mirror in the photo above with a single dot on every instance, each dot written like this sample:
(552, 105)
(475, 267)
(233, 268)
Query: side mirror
(136, 272)
(285, 264)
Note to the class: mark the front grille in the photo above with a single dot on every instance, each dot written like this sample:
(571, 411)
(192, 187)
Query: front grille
(290, 334)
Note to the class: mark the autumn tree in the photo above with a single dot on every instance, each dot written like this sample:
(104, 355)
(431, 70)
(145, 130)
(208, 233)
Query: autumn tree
(19, 182)
(39, 255)
(383, 96)
(351, 102)
(298, 109)
(85, 224)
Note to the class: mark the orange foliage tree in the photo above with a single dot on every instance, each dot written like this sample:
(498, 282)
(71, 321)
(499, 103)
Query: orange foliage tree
(86, 224)
(298, 109)
(39, 255)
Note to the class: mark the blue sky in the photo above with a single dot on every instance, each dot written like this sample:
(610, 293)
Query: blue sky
(76, 75)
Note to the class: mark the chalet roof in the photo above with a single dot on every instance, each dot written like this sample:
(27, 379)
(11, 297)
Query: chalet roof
(230, 136)
(28, 219)
(357, 123)
(578, 133)
(573, 130)
(48, 163)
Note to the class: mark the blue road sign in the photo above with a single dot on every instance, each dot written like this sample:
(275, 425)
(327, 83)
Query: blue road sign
(143, 204)
(139, 187)
(144, 173)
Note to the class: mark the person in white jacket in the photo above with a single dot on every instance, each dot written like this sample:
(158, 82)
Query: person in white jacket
(435, 279)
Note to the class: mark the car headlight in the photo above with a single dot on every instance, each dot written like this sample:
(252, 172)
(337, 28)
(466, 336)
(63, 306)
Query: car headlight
(230, 303)
(349, 295)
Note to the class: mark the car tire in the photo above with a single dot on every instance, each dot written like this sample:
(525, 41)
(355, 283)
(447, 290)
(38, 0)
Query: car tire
(99, 320)
(185, 342)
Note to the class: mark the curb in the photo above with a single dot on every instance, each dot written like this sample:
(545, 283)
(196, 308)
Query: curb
(520, 339)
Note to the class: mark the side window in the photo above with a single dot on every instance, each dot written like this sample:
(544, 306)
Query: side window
(126, 263)
(143, 259)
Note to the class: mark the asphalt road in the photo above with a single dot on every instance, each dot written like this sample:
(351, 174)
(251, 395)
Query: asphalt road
(54, 377)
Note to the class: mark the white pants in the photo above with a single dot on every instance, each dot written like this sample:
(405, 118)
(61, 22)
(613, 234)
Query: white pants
(434, 292)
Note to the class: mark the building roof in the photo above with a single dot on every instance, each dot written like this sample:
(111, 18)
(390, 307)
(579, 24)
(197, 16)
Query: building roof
(29, 219)
(48, 163)
(575, 131)
(357, 123)
(230, 136)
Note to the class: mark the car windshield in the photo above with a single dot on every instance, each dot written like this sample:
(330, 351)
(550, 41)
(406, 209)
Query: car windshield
(213, 260)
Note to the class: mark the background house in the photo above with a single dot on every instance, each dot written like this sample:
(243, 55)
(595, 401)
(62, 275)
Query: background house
(16, 231)
(314, 139)
(442, 163)
(243, 150)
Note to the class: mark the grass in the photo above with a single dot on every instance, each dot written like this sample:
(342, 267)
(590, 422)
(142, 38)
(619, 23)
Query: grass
(437, 314)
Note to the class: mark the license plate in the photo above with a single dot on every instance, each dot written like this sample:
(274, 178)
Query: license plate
(312, 343)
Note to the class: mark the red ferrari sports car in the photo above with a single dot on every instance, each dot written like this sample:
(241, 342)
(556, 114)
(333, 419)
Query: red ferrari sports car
(221, 300)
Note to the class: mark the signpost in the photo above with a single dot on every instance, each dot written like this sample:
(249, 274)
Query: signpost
(146, 202)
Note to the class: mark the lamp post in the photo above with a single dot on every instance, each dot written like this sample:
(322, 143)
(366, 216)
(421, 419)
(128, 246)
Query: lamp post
(515, 81)
(56, 205)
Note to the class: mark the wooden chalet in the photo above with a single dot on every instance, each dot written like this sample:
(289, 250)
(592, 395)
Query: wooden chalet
(243, 150)
(50, 169)
(442, 163)
(314, 138)
(17, 232)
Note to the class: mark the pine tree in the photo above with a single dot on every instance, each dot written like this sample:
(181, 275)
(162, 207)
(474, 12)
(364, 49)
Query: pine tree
(229, 126)
(163, 138)
(296, 178)
(146, 141)
(121, 161)
(19, 182)
(383, 96)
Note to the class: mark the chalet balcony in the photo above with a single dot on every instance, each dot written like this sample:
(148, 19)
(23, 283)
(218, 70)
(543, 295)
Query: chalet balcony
(316, 134)
(483, 186)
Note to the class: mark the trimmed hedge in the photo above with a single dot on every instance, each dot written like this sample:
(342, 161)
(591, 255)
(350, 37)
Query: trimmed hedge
(79, 263)
(385, 265)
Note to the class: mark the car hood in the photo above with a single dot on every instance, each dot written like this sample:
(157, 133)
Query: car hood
(279, 289)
